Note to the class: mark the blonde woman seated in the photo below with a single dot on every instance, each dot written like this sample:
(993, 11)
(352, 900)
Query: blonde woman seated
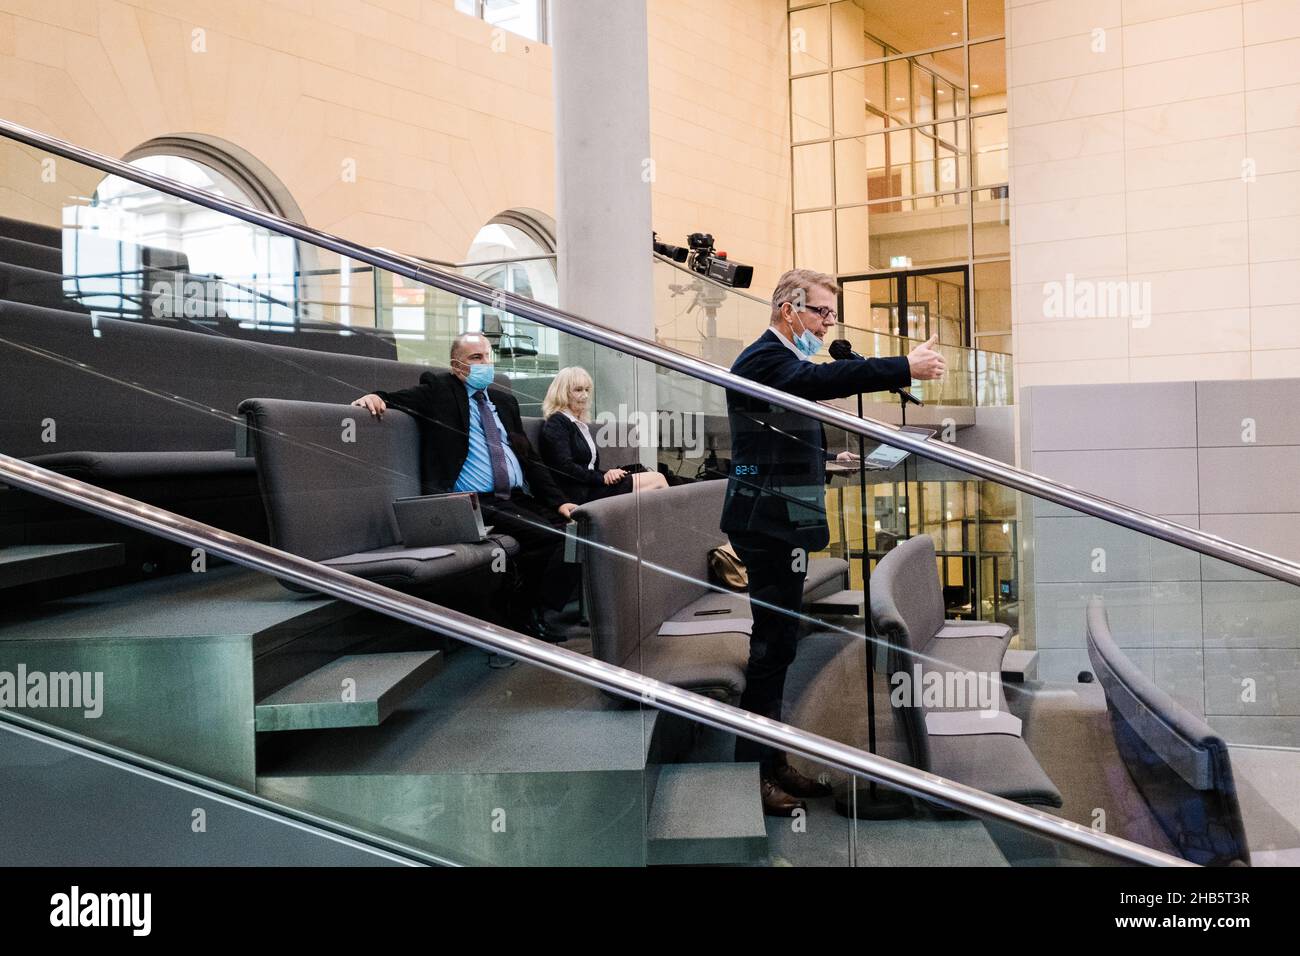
(569, 450)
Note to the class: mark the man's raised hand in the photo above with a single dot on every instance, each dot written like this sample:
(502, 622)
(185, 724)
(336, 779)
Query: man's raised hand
(925, 362)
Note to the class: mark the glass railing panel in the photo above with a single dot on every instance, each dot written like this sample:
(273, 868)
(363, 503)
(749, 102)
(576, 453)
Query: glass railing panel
(994, 383)
(1004, 562)
(637, 566)
(524, 347)
(1180, 644)
(324, 708)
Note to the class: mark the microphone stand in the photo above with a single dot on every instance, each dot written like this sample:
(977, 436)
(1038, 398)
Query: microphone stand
(877, 802)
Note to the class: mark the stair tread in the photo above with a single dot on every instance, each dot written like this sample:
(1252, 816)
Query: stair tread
(706, 813)
(316, 701)
(221, 602)
(477, 720)
(26, 552)
(29, 563)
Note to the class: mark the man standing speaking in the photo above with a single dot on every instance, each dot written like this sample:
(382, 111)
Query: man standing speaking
(775, 510)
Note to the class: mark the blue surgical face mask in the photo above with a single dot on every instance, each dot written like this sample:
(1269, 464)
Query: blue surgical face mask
(806, 342)
(480, 376)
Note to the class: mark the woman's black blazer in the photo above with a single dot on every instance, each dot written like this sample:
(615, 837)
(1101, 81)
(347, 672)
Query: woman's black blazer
(566, 453)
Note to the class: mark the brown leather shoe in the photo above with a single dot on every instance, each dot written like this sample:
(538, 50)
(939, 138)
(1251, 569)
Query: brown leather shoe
(776, 802)
(796, 784)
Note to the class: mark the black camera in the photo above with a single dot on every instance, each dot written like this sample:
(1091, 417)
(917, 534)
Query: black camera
(716, 265)
(675, 253)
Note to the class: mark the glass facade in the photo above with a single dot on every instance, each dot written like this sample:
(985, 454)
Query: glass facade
(899, 164)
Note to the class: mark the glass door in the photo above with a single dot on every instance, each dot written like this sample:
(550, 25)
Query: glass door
(914, 304)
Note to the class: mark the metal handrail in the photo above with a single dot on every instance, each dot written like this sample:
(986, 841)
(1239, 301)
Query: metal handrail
(942, 452)
(444, 263)
(616, 680)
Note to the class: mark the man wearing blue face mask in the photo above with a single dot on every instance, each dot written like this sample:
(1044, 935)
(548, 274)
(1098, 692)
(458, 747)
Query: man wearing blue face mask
(775, 512)
(472, 439)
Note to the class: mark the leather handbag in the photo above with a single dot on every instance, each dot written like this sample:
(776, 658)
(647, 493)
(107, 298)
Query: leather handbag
(727, 570)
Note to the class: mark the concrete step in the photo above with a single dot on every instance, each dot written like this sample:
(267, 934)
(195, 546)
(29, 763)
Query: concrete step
(706, 813)
(517, 766)
(29, 563)
(356, 690)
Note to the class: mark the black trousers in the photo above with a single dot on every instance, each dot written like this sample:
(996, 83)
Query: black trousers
(776, 578)
(545, 579)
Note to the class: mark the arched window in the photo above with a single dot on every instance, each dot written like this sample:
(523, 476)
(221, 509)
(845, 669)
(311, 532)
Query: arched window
(132, 244)
(515, 252)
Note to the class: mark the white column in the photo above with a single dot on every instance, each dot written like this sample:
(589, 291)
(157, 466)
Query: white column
(603, 173)
(602, 155)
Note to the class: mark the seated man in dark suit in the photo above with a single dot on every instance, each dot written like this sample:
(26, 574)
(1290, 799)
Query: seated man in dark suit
(472, 439)
(775, 508)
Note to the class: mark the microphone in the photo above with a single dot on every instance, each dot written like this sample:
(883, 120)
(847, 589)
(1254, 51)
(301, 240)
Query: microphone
(842, 349)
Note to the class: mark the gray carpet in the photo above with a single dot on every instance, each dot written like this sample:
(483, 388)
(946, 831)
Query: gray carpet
(1270, 803)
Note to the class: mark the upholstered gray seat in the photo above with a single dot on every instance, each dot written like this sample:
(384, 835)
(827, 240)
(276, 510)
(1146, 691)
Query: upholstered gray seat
(709, 664)
(826, 576)
(329, 475)
(416, 572)
(645, 561)
(961, 739)
(968, 653)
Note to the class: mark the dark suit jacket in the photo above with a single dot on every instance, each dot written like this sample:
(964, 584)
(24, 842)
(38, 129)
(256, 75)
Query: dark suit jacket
(778, 458)
(567, 454)
(440, 403)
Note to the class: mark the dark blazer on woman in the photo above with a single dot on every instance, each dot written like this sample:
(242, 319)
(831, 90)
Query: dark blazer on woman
(567, 454)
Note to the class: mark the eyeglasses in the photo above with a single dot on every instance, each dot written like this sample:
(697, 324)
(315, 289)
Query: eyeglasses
(825, 311)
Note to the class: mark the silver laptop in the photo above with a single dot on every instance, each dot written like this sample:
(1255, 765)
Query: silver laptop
(884, 457)
(426, 521)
